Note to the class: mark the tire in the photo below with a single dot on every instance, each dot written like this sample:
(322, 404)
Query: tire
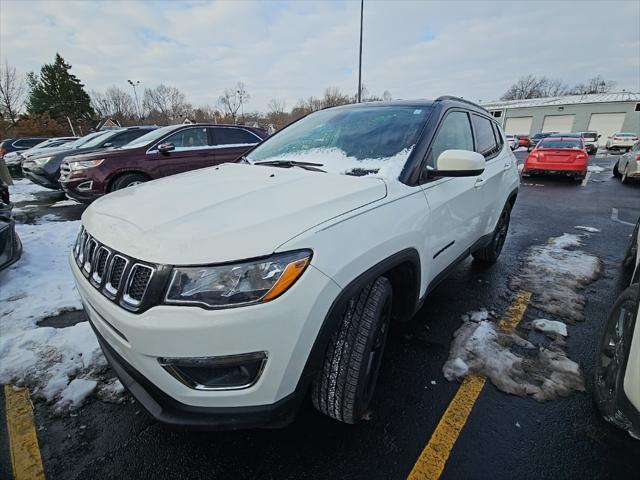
(625, 179)
(629, 262)
(491, 252)
(128, 180)
(616, 172)
(612, 357)
(346, 382)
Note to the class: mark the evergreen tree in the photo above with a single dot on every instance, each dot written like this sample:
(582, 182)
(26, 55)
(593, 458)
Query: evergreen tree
(59, 94)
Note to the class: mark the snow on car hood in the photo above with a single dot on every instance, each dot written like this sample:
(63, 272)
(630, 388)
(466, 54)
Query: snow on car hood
(225, 213)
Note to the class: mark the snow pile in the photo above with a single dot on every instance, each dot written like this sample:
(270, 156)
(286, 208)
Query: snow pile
(60, 365)
(336, 160)
(513, 364)
(23, 190)
(595, 169)
(64, 203)
(40, 284)
(477, 316)
(550, 326)
(587, 229)
(555, 273)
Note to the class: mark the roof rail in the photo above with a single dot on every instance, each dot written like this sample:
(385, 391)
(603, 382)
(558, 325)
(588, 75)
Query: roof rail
(458, 99)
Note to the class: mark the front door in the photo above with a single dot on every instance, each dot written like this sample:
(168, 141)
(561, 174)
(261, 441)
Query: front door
(191, 150)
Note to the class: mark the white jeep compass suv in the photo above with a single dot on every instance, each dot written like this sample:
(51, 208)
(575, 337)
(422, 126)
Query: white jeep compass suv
(222, 297)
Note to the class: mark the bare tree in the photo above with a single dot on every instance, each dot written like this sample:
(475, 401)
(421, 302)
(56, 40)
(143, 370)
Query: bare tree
(12, 91)
(277, 115)
(233, 100)
(528, 86)
(552, 87)
(596, 84)
(115, 103)
(206, 114)
(167, 103)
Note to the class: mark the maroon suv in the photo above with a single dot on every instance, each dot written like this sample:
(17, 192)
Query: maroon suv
(165, 151)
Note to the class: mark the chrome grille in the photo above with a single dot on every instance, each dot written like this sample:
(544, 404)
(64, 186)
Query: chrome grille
(118, 277)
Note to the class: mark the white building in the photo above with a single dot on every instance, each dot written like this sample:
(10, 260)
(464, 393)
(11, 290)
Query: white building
(606, 113)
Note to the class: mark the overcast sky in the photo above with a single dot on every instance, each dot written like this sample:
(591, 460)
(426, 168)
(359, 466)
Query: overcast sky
(291, 50)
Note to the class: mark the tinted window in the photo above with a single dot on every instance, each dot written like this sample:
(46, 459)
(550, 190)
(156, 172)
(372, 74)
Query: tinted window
(27, 143)
(454, 134)
(126, 137)
(555, 143)
(188, 138)
(499, 139)
(485, 138)
(233, 136)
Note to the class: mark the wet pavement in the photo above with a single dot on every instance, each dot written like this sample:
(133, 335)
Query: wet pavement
(505, 437)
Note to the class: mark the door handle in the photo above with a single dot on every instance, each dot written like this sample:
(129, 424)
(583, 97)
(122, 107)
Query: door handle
(479, 183)
(507, 166)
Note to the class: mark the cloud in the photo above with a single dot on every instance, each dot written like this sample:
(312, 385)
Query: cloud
(290, 50)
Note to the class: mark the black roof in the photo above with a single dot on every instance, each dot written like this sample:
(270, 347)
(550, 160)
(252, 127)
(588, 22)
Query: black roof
(445, 99)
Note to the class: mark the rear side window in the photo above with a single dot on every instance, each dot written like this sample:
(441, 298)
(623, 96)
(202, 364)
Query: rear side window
(233, 136)
(27, 143)
(454, 134)
(499, 139)
(188, 138)
(126, 137)
(485, 138)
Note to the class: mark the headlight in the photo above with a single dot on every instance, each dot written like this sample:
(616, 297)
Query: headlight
(81, 165)
(41, 161)
(239, 284)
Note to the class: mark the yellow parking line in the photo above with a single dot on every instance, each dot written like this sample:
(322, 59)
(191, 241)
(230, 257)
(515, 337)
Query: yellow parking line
(433, 459)
(23, 441)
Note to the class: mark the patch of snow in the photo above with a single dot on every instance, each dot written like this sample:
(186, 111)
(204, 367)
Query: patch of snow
(595, 169)
(64, 203)
(59, 365)
(477, 316)
(517, 424)
(433, 382)
(480, 348)
(555, 273)
(587, 229)
(550, 326)
(50, 217)
(23, 190)
(336, 160)
(111, 391)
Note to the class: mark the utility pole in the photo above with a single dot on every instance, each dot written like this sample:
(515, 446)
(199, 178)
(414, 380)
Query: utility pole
(135, 95)
(360, 56)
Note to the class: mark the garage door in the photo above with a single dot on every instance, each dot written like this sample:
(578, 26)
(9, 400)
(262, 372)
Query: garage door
(518, 126)
(557, 123)
(606, 124)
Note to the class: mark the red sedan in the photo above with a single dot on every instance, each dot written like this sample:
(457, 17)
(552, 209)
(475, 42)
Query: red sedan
(565, 155)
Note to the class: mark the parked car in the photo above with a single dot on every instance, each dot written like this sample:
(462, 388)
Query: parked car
(10, 246)
(590, 141)
(627, 167)
(617, 374)
(19, 143)
(14, 159)
(512, 141)
(222, 296)
(533, 141)
(44, 169)
(166, 151)
(558, 154)
(524, 141)
(621, 141)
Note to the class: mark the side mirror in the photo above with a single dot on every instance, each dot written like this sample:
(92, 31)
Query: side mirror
(166, 147)
(459, 163)
(107, 145)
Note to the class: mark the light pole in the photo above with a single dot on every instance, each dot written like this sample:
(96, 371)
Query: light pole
(241, 99)
(135, 94)
(360, 56)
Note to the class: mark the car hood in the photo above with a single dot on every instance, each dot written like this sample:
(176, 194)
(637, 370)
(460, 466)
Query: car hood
(226, 213)
(94, 154)
(59, 155)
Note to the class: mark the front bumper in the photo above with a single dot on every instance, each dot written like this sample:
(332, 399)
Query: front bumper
(40, 177)
(285, 328)
(71, 191)
(10, 245)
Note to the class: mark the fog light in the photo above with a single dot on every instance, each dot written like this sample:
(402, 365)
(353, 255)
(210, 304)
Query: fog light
(217, 373)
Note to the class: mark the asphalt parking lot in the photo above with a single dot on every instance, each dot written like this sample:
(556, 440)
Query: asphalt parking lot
(505, 436)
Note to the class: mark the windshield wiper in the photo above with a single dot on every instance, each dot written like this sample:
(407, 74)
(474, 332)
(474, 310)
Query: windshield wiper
(291, 163)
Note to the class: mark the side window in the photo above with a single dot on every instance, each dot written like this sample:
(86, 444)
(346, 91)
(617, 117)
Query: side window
(28, 143)
(498, 134)
(485, 138)
(126, 137)
(188, 138)
(233, 136)
(454, 134)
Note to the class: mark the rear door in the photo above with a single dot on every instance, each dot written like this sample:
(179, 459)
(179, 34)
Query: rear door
(232, 142)
(191, 151)
(455, 202)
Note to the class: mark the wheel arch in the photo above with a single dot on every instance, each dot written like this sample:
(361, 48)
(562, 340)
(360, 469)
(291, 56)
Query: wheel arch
(121, 173)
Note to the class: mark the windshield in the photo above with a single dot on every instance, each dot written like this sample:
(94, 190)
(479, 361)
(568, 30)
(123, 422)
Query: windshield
(566, 143)
(625, 135)
(357, 140)
(152, 136)
(82, 141)
(94, 142)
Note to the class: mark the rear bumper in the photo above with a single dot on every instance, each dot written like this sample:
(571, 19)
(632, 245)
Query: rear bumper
(573, 167)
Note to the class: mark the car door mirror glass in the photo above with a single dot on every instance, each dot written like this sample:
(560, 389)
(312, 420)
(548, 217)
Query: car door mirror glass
(459, 163)
(166, 147)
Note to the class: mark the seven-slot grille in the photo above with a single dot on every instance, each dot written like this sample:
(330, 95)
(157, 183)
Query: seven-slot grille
(118, 277)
